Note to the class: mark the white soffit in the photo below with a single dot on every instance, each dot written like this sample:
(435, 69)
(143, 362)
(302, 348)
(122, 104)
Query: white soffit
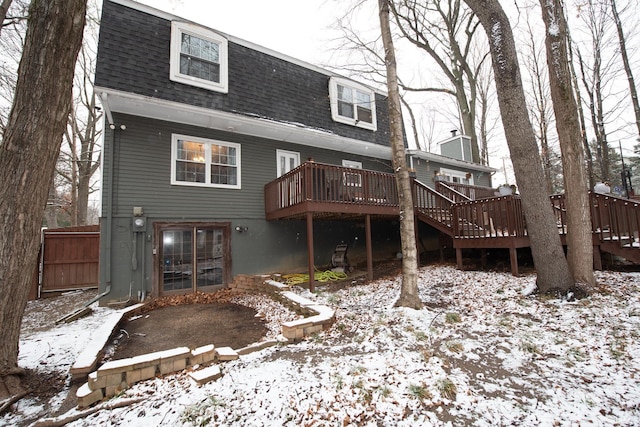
(295, 133)
(448, 160)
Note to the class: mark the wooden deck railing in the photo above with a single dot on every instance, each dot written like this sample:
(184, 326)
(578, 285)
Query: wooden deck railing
(616, 219)
(321, 183)
(560, 212)
(613, 219)
(451, 191)
(489, 218)
(318, 187)
(472, 192)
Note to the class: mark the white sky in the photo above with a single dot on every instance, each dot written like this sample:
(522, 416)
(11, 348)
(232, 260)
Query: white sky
(294, 27)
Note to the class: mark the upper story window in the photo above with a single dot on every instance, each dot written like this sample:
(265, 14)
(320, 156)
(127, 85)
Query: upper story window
(352, 103)
(204, 162)
(198, 57)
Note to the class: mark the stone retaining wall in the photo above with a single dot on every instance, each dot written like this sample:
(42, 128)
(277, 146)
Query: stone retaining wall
(117, 375)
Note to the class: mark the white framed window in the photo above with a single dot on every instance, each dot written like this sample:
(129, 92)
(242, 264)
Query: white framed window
(352, 103)
(204, 162)
(456, 176)
(352, 179)
(198, 57)
(286, 161)
(352, 164)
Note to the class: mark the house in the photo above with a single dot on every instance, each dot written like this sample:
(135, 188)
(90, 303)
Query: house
(212, 144)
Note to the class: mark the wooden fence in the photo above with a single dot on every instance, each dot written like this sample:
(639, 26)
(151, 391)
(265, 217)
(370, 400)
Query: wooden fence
(68, 260)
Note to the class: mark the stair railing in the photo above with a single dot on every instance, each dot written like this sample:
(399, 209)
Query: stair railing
(615, 219)
(446, 189)
(472, 192)
(432, 204)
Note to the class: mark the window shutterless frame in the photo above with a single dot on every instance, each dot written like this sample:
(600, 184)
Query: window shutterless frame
(204, 162)
(198, 57)
(352, 103)
(457, 176)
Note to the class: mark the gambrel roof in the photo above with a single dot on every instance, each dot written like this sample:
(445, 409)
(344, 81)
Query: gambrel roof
(269, 94)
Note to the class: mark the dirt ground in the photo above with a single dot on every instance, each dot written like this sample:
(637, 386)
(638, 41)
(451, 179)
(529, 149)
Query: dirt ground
(195, 320)
(183, 323)
(188, 320)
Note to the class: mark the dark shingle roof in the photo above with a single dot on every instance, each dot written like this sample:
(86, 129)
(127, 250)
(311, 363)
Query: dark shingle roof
(133, 56)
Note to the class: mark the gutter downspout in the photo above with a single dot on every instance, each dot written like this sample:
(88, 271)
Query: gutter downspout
(109, 219)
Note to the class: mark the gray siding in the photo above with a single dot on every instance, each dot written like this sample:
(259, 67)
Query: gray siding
(142, 159)
(142, 163)
(466, 147)
(451, 149)
(426, 169)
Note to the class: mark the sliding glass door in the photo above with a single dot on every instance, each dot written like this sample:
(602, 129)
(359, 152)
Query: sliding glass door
(194, 258)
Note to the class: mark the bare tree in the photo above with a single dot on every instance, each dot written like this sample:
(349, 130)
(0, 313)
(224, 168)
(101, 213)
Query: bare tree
(627, 66)
(598, 71)
(414, 123)
(79, 156)
(28, 154)
(487, 124)
(540, 108)
(445, 30)
(583, 126)
(4, 8)
(409, 292)
(11, 42)
(548, 255)
(82, 153)
(579, 235)
(367, 65)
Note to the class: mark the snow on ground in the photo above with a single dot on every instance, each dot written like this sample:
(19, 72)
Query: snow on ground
(482, 352)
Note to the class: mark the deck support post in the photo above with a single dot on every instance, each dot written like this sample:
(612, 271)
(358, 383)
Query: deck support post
(442, 244)
(367, 228)
(459, 258)
(416, 232)
(597, 258)
(310, 253)
(483, 257)
(513, 256)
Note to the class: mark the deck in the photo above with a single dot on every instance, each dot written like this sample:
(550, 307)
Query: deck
(473, 217)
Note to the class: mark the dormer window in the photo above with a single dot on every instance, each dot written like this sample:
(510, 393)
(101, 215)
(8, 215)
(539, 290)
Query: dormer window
(352, 104)
(198, 57)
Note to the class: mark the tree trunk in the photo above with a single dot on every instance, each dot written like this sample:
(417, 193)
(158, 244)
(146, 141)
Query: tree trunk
(409, 293)
(581, 119)
(28, 154)
(51, 211)
(579, 236)
(82, 204)
(627, 66)
(548, 255)
(4, 8)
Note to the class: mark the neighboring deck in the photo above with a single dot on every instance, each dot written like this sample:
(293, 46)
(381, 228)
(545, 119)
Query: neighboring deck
(473, 217)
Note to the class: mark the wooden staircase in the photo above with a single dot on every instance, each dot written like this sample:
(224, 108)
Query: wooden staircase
(475, 217)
